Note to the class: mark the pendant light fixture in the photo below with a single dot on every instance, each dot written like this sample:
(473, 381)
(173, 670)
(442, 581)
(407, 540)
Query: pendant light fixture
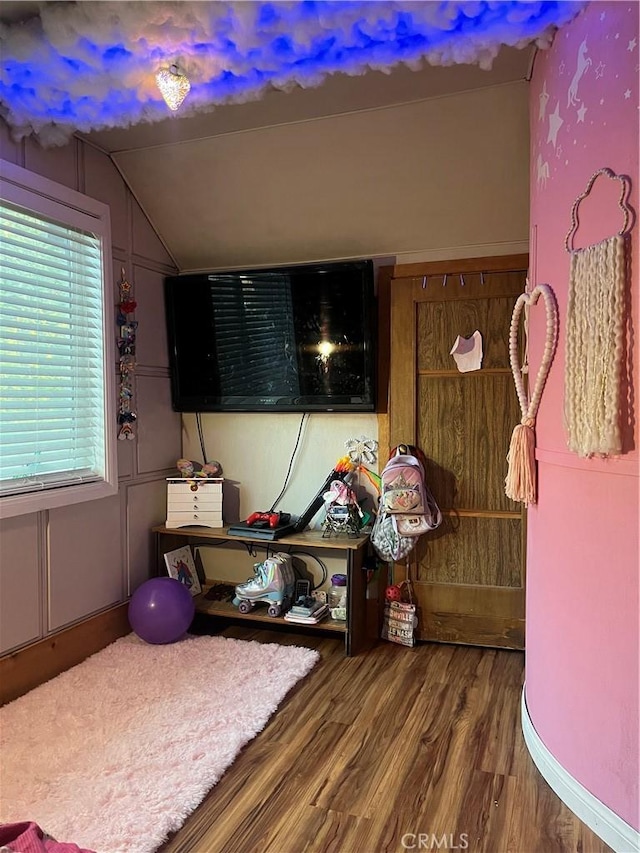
(174, 86)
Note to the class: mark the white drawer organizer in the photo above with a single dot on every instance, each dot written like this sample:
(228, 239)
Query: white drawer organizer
(194, 502)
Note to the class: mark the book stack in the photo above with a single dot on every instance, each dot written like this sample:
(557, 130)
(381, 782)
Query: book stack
(308, 613)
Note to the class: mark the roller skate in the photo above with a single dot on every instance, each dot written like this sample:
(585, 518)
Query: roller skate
(273, 582)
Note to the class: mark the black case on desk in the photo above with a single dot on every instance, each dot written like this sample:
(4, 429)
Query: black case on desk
(318, 501)
(268, 533)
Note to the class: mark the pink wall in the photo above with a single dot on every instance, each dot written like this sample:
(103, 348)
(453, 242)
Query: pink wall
(582, 595)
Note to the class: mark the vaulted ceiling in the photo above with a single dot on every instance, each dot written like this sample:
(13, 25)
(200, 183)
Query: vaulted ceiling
(92, 66)
(88, 68)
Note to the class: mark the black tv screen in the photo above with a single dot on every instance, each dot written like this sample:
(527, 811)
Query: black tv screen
(297, 339)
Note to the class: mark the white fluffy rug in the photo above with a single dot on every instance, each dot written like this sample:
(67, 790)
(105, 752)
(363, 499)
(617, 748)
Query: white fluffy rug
(115, 753)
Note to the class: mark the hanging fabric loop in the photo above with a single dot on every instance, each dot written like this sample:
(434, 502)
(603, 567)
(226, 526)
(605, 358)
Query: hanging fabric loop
(520, 483)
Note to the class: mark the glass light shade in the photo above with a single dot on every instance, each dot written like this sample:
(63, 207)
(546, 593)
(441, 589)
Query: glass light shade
(174, 86)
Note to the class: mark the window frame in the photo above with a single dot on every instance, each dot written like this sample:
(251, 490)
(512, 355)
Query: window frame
(43, 196)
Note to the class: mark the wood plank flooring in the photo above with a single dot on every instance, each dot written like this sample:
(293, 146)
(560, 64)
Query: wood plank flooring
(396, 749)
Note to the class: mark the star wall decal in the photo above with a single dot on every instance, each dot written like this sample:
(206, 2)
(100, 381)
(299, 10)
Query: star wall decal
(544, 99)
(555, 123)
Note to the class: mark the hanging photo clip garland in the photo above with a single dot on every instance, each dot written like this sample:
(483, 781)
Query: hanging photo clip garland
(595, 339)
(127, 350)
(520, 484)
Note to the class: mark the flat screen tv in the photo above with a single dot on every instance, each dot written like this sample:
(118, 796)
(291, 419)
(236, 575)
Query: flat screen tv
(286, 339)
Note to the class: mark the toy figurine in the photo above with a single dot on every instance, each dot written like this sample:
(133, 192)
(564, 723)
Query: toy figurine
(343, 511)
(189, 469)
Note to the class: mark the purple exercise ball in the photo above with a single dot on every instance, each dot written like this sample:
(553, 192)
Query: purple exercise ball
(161, 610)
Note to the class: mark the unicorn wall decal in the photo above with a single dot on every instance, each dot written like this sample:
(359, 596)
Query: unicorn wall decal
(584, 62)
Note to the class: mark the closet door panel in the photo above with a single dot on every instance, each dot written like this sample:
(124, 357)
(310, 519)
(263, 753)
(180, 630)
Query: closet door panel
(20, 581)
(85, 563)
(469, 573)
(158, 426)
(146, 507)
(462, 424)
(472, 550)
(439, 323)
(460, 615)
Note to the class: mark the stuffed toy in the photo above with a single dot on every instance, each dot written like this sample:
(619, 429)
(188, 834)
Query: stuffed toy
(189, 469)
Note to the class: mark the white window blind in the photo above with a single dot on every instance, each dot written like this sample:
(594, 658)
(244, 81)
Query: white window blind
(53, 356)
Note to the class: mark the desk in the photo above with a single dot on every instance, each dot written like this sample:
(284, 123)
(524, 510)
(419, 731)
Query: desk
(352, 549)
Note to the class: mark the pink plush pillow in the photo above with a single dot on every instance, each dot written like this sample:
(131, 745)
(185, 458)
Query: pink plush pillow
(27, 837)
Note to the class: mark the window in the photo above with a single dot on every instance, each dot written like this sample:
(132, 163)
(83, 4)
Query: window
(57, 406)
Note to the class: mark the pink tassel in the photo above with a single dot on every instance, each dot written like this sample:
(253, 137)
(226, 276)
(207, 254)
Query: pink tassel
(520, 484)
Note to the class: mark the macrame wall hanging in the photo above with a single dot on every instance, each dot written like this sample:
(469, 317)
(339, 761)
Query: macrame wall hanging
(595, 336)
(520, 483)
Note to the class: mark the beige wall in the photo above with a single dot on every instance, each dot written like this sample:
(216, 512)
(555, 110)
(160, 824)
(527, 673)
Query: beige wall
(255, 449)
(436, 178)
(57, 567)
(440, 178)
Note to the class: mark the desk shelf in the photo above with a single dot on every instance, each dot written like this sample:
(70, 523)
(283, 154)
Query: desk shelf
(228, 610)
(353, 550)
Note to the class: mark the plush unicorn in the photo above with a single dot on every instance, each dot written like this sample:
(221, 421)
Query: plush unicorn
(189, 469)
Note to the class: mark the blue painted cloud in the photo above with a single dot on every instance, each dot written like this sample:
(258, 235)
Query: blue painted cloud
(90, 65)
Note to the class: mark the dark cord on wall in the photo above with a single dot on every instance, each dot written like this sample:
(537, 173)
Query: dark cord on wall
(293, 456)
(201, 437)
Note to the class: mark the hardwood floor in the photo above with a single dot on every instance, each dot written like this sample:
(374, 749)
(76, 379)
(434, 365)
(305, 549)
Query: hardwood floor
(396, 749)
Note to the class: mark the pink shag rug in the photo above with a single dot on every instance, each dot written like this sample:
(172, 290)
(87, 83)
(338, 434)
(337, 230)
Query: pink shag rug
(115, 753)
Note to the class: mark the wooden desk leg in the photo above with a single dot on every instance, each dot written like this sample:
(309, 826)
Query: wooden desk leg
(356, 637)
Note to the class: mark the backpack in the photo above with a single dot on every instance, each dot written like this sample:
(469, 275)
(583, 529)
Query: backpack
(407, 509)
(402, 483)
(405, 496)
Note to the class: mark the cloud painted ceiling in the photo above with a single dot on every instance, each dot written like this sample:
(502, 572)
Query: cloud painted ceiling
(90, 65)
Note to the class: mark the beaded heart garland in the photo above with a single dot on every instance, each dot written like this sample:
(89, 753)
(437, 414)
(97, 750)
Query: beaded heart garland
(520, 483)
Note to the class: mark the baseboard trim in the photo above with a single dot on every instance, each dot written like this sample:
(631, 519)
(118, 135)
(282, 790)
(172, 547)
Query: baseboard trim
(29, 667)
(606, 824)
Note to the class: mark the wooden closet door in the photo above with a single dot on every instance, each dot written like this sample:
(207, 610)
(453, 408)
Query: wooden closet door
(469, 573)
